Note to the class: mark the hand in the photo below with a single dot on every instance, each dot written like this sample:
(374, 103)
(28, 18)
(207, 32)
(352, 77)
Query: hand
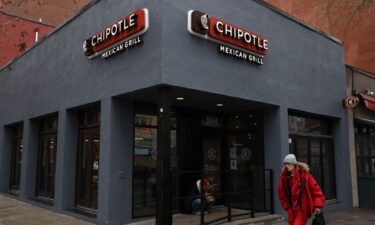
(318, 211)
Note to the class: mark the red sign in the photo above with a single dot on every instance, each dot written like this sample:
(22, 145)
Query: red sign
(234, 35)
(351, 102)
(369, 100)
(211, 28)
(120, 31)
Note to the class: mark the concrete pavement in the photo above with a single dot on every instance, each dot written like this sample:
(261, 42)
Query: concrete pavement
(14, 212)
(352, 216)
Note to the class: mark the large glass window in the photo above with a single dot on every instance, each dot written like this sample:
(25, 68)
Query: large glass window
(365, 149)
(88, 159)
(145, 156)
(246, 159)
(16, 158)
(47, 158)
(310, 139)
(246, 141)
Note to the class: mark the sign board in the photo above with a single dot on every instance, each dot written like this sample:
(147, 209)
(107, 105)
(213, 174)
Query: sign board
(210, 121)
(233, 40)
(118, 36)
(351, 102)
(233, 153)
(233, 164)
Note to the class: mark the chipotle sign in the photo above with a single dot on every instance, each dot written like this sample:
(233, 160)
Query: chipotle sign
(234, 40)
(118, 36)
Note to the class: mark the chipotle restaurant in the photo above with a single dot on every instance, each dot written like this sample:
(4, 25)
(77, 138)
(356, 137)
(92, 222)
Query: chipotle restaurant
(117, 114)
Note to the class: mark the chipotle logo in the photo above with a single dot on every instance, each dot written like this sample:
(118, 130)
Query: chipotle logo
(351, 102)
(217, 30)
(120, 32)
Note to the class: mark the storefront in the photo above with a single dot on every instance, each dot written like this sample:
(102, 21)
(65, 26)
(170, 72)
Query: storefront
(161, 95)
(360, 104)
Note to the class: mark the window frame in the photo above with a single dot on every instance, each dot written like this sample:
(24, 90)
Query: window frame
(16, 153)
(89, 127)
(320, 138)
(361, 157)
(149, 109)
(46, 133)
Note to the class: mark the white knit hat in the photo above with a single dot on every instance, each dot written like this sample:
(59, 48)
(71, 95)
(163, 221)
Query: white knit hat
(291, 159)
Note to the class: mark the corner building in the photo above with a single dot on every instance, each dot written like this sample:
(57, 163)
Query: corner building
(89, 135)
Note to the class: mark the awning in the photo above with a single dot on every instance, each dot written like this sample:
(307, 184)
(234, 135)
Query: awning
(368, 100)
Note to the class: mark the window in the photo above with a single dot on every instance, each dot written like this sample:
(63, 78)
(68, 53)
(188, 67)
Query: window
(365, 149)
(88, 159)
(144, 184)
(246, 157)
(47, 158)
(16, 158)
(145, 156)
(310, 139)
(246, 141)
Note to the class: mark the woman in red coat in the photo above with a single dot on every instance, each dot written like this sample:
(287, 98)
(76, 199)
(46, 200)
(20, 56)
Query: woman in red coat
(299, 193)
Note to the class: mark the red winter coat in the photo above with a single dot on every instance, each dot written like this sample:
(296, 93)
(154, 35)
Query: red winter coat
(312, 196)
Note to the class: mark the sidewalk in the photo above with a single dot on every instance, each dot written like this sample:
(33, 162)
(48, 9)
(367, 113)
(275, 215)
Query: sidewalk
(13, 212)
(352, 216)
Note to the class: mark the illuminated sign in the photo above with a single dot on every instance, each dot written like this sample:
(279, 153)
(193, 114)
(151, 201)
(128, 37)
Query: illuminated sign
(119, 36)
(235, 41)
(351, 102)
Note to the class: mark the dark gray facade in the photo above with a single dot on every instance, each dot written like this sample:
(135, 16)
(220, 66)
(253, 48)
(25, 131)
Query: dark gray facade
(303, 71)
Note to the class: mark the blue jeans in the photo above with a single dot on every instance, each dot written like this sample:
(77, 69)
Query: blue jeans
(196, 205)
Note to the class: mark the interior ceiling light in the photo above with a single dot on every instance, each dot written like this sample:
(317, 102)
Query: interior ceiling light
(180, 98)
(219, 104)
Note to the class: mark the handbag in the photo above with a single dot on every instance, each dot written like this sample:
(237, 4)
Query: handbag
(319, 219)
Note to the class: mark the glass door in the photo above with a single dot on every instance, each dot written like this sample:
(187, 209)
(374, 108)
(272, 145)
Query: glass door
(88, 168)
(245, 161)
(17, 149)
(212, 162)
(46, 169)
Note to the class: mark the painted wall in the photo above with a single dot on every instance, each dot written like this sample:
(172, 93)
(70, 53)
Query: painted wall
(303, 71)
(57, 66)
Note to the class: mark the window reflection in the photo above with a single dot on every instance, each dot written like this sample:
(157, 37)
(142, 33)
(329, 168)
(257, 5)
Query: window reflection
(145, 156)
(88, 159)
(245, 152)
(16, 158)
(145, 159)
(365, 149)
(46, 161)
(315, 150)
(299, 124)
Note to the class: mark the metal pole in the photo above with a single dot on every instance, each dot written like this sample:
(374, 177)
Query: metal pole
(252, 194)
(229, 196)
(163, 186)
(271, 192)
(202, 198)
